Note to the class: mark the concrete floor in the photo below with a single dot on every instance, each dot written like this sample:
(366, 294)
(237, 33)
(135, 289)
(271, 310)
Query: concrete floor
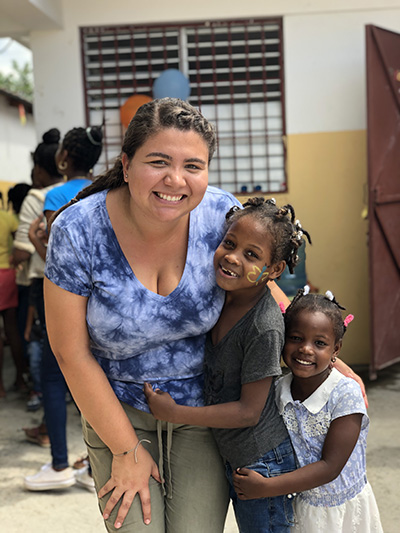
(75, 510)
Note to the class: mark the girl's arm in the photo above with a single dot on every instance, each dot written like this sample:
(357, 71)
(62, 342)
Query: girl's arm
(339, 443)
(69, 339)
(245, 412)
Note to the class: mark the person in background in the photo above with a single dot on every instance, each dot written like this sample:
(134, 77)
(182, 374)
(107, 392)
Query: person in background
(45, 177)
(78, 152)
(16, 196)
(9, 301)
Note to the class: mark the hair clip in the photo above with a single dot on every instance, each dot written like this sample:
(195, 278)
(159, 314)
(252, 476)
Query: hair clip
(306, 290)
(270, 201)
(299, 235)
(282, 307)
(329, 295)
(347, 320)
(90, 136)
(297, 223)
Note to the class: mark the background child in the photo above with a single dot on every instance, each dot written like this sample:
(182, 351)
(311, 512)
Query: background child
(75, 158)
(326, 418)
(243, 357)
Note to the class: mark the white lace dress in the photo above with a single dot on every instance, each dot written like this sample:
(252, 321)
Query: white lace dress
(346, 504)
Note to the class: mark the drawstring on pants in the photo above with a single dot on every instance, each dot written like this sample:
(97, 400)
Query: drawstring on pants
(167, 492)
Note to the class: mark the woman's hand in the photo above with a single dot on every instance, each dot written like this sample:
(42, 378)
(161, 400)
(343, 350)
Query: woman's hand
(249, 485)
(129, 478)
(161, 404)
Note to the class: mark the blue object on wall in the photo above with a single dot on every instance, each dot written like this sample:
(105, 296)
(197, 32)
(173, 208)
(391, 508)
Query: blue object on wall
(288, 282)
(173, 84)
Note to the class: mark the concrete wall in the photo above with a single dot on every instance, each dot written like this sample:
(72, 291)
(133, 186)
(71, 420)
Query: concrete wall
(17, 141)
(324, 46)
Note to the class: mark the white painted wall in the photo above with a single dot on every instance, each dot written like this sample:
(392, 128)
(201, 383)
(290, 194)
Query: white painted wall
(324, 44)
(325, 72)
(16, 144)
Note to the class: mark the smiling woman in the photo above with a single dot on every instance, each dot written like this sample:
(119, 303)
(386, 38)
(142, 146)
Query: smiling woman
(130, 272)
(164, 185)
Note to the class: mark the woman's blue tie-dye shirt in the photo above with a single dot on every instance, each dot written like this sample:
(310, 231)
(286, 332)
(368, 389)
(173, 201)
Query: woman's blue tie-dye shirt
(137, 335)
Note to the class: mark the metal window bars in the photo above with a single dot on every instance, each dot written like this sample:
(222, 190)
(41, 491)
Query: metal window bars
(235, 69)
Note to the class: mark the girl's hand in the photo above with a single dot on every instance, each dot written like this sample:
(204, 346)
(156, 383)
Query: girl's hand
(161, 404)
(129, 478)
(250, 485)
(37, 230)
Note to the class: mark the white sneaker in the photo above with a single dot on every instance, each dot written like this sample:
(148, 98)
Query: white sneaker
(47, 479)
(84, 480)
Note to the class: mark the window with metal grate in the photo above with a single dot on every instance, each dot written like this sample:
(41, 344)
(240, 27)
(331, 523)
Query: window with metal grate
(235, 69)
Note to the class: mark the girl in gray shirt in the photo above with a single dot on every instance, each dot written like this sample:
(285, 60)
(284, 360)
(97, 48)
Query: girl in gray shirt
(243, 358)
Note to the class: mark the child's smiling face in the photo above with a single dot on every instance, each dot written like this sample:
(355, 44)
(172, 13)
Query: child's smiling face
(243, 259)
(310, 344)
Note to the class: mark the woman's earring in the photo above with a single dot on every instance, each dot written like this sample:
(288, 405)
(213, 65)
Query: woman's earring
(63, 165)
(333, 359)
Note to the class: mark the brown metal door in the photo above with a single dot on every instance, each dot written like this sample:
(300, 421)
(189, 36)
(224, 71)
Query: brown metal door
(383, 100)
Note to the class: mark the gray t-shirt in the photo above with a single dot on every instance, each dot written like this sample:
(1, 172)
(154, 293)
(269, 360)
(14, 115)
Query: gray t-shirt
(250, 351)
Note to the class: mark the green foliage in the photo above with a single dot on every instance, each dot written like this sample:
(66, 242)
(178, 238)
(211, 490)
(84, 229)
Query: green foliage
(19, 82)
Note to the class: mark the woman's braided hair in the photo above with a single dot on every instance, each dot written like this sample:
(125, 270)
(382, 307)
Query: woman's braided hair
(327, 304)
(279, 222)
(150, 119)
(84, 147)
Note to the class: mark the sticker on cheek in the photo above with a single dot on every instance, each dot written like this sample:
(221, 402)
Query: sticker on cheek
(257, 274)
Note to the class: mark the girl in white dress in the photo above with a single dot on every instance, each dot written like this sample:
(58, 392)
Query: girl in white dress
(326, 417)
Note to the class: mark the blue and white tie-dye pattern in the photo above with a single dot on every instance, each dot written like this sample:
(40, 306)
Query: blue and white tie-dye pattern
(137, 335)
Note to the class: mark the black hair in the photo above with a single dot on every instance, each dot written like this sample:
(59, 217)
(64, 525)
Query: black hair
(317, 303)
(16, 195)
(279, 222)
(84, 146)
(44, 155)
(150, 119)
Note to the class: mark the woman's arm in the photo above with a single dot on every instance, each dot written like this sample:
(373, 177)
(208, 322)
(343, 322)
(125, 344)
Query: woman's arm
(69, 339)
(245, 412)
(348, 372)
(30, 316)
(339, 443)
(278, 294)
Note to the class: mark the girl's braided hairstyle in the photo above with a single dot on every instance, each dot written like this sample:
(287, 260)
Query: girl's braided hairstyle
(83, 146)
(328, 305)
(150, 119)
(44, 155)
(279, 222)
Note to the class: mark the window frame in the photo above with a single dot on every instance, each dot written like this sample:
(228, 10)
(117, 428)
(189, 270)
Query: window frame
(251, 166)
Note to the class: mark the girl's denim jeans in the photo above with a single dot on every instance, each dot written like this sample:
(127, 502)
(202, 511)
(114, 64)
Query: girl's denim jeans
(266, 515)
